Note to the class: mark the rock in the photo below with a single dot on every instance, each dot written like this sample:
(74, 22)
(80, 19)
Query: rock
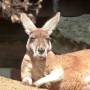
(75, 28)
(9, 84)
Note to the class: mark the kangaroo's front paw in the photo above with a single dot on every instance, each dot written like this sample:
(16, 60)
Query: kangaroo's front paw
(47, 85)
(37, 84)
(27, 81)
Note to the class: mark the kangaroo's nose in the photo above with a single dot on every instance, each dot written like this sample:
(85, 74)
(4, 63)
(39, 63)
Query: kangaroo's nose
(41, 50)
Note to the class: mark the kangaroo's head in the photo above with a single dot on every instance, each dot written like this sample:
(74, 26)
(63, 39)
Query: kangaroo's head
(39, 38)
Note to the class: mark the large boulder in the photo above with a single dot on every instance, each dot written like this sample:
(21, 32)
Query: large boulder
(76, 28)
(72, 34)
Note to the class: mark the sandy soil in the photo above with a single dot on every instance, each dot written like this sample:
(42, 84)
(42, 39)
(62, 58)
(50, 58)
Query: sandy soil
(9, 84)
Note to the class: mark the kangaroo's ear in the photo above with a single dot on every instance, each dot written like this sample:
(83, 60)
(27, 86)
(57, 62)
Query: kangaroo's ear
(52, 23)
(27, 23)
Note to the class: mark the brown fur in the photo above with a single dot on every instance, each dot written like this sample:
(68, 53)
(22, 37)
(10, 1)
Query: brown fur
(76, 67)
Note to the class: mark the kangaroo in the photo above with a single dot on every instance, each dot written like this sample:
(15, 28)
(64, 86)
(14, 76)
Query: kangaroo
(40, 66)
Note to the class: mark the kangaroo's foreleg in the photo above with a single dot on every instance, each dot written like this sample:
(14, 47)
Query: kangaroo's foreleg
(54, 76)
(26, 70)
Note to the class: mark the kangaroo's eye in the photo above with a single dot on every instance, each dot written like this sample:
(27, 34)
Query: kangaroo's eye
(48, 39)
(32, 39)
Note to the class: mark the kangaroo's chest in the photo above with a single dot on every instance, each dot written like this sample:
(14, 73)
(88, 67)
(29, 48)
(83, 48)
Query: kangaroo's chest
(39, 70)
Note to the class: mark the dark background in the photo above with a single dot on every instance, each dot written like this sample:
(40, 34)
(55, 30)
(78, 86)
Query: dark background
(13, 38)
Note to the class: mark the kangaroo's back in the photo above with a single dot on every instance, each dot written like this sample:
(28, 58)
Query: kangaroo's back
(76, 67)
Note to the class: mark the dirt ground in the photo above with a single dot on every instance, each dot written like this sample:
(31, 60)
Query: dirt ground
(9, 84)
